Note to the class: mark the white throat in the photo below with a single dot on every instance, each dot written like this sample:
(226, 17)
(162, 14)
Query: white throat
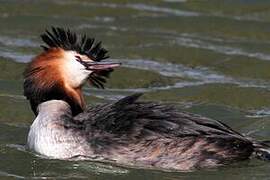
(48, 127)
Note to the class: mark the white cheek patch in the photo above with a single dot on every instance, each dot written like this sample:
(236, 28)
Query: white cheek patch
(75, 72)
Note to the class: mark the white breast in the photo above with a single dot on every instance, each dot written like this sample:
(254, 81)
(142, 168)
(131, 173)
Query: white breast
(49, 137)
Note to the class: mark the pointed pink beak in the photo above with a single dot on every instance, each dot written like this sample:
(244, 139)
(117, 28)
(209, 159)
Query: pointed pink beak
(97, 66)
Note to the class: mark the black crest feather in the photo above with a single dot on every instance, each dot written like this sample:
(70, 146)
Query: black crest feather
(68, 40)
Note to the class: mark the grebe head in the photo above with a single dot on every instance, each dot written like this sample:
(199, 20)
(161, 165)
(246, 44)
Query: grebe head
(68, 61)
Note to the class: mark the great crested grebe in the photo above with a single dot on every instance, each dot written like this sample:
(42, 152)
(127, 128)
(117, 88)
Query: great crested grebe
(127, 132)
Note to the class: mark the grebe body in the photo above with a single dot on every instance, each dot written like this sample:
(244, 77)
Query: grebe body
(126, 132)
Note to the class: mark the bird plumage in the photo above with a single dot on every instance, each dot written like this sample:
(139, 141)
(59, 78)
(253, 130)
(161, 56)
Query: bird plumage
(128, 131)
(145, 134)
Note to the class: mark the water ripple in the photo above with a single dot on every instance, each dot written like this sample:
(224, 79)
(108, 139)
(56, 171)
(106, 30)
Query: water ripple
(165, 10)
(192, 40)
(6, 174)
(198, 77)
(139, 7)
(143, 7)
(99, 168)
(175, 70)
(17, 42)
(93, 26)
(19, 57)
(259, 113)
(203, 74)
(196, 43)
(181, 1)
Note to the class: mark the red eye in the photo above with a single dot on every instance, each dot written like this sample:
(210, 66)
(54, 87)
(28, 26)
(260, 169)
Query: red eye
(78, 58)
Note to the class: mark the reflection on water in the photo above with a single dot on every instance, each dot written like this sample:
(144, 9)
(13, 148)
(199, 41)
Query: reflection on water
(207, 57)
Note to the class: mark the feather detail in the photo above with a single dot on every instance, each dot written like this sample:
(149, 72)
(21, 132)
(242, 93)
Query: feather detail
(68, 40)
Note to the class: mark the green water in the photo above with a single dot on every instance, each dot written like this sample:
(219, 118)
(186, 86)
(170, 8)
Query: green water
(207, 57)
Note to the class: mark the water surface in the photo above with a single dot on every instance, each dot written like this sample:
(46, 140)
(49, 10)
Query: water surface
(207, 57)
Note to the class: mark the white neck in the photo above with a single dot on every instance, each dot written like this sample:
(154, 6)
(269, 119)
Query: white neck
(52, 110)
(46, 132)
